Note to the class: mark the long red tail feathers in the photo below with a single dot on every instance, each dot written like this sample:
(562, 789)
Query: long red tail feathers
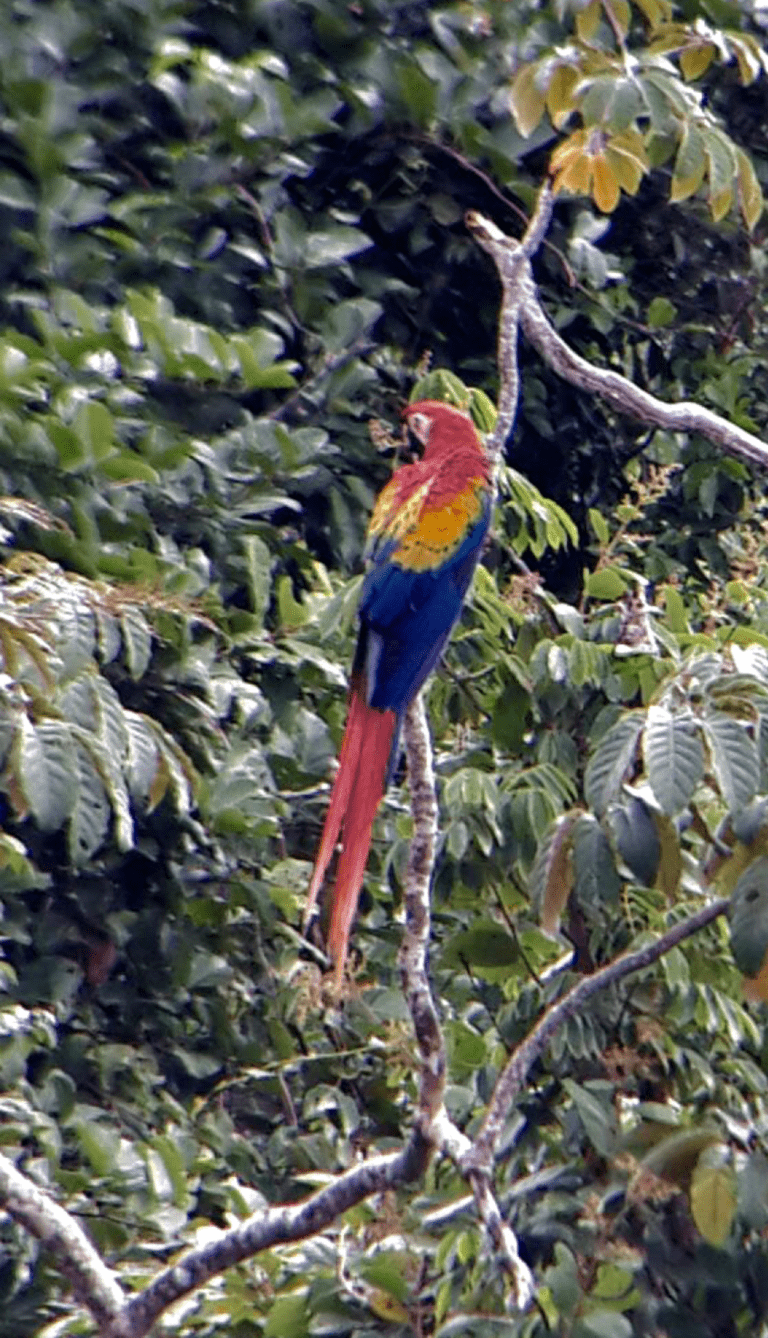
(356, 795)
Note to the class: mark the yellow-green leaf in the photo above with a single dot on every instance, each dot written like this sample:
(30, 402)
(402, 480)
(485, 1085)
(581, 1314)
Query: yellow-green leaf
(690, 165)
(655, 11)
(750, 194)
(588, 20)
(526, 100)
(605, 189)
(695, 60)
(747, 56)
(571, 165)
(674, 607)
(554, 868)
(599, 525)
(670, 869)
(559, 95)
(713, 1202)
(622, 14)
(720, 204)
(627, 166)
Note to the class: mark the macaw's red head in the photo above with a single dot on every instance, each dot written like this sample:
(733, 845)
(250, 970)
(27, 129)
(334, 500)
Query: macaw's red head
(441, 428)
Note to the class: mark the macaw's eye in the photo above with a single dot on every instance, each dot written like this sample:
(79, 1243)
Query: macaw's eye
(420, 425)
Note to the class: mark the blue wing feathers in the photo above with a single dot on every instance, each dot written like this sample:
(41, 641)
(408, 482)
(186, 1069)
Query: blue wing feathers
(406, 618)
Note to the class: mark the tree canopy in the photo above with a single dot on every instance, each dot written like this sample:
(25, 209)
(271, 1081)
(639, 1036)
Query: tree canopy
(238, 238)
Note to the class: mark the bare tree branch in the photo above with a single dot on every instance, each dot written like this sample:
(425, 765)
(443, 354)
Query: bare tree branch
(432, 1117)
(415, 945)
(521, 306)
(94, 1285)
(510, 257)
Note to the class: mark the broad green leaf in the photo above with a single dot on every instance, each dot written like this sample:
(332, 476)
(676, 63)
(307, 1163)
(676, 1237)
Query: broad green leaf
(333, 245)
(637, 839)
(661, 312)
(89, 821)
(288, 1317)
(599, 525)
(733, 756)
(673, 755)
(607, 583)
(612, 762)
(595, 878)
(690, 164)
(485, 944)
(721, 164)
(137, 642)
(42, 766)
(603, 1324)
(597, 1116)
(142, 756)
(94, 427)
(100, 1145)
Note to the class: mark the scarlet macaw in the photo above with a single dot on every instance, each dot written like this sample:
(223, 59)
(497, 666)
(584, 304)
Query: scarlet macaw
(424, 541)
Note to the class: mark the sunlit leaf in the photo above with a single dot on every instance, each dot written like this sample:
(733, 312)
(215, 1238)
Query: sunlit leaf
(526, 100)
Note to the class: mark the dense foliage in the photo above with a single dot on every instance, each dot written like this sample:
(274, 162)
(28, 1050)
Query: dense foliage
(233, 237)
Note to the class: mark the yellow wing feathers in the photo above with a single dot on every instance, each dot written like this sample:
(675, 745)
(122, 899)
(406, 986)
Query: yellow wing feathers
(425, 531)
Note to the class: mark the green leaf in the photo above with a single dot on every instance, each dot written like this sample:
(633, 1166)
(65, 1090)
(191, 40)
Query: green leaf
(603, 1324)
(608, 584)
(661, 312)
(89, 821)
(142, 756)
(95, 430)
(331, 246)
(259, 568)
(674, 756)
(43, 765)
(748, 916)
(288, 1317)
(637, 839)
(418, 92)
(599, 525)
(137, 642)
(597, 1117)
(612, 762)
(99, 1144)
(734, 758)
(485, 944)
(595, 878)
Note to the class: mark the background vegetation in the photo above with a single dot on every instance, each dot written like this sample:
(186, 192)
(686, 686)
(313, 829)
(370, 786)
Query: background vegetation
(233, 235)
